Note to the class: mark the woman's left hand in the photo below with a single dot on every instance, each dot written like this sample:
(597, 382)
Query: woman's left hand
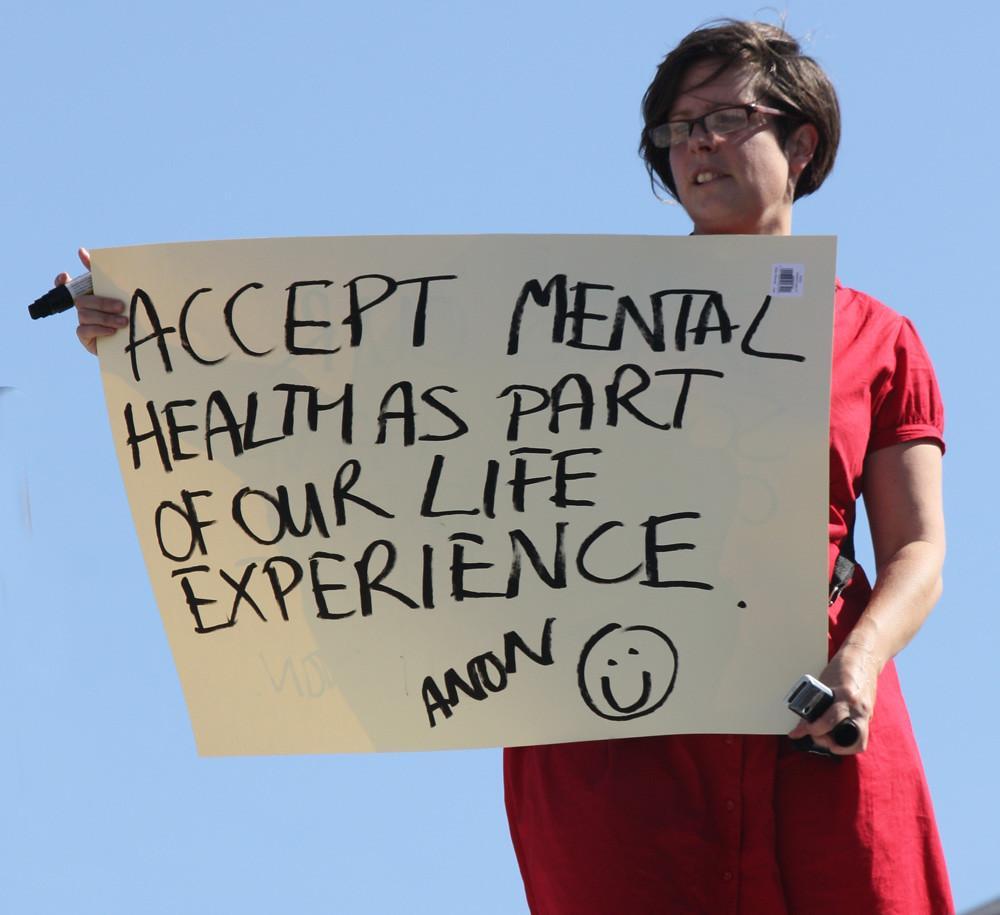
(852, 674)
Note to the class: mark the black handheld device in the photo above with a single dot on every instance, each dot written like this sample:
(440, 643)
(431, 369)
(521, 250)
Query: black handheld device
(809, 699)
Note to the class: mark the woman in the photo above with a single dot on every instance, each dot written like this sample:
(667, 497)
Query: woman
(738, 125)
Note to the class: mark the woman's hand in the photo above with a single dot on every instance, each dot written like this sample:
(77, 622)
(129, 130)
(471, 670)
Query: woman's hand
(852, 674)
(98, 316)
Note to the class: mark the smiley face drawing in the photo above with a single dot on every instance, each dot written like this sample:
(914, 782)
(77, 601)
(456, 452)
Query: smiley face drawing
(626, 672)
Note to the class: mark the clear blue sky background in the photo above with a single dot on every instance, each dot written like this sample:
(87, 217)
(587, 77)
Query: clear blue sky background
(133, 123)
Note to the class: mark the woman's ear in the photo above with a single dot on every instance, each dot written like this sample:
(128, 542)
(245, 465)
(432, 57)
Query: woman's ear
(800, 147)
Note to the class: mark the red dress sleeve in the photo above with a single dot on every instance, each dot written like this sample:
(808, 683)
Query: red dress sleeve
(883, 392)
(907, 405)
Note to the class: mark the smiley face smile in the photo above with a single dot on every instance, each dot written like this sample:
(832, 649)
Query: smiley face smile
(647, 688)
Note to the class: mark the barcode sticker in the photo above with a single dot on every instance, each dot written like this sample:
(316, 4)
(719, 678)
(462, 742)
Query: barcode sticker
(787, 279)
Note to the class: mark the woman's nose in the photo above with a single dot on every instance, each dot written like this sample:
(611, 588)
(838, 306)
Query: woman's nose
(700, 137)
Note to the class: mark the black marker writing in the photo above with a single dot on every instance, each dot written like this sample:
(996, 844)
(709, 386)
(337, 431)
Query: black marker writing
(484, 674)
(321, 327)
(623, 395)
(467, 566)
(700, 317)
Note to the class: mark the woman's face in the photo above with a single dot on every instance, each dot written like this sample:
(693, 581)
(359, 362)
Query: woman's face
(741, 182)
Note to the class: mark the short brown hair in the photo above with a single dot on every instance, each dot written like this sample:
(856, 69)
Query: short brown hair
(784, 78)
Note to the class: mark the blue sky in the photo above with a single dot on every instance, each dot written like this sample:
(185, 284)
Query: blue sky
(141, 123)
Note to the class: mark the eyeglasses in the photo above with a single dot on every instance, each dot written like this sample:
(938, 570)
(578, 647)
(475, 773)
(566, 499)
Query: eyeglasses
(721, 121)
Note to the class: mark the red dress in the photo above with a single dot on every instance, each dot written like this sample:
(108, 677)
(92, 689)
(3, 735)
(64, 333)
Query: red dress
(713, 824)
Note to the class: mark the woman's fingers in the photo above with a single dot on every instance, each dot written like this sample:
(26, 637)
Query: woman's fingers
(822, 728)
(844, 708)
(838, 713)
(87, 334)
(88, 331)
(98, 306)
(98, 311)
(99, 316)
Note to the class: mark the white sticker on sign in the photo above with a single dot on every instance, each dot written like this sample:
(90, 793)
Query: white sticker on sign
(787, 279)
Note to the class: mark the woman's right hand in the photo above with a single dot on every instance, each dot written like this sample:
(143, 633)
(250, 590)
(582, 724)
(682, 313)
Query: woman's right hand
(98, 315)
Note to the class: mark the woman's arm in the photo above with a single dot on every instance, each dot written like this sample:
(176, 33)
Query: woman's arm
(902, 490)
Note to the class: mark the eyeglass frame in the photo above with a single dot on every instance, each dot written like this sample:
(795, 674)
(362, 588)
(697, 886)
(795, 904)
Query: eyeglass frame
(748, 107)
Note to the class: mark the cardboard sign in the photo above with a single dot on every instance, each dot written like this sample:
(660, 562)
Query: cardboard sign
(428, 492)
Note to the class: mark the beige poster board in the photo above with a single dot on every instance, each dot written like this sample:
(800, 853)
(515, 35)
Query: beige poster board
(423, 492)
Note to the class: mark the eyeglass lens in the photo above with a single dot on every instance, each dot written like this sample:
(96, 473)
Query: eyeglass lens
(721, 121)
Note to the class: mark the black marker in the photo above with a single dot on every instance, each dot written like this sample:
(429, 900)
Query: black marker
(61, 298)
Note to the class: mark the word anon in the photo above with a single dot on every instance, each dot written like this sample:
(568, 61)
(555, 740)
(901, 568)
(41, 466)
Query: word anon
(485, 674)
(595, 318)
